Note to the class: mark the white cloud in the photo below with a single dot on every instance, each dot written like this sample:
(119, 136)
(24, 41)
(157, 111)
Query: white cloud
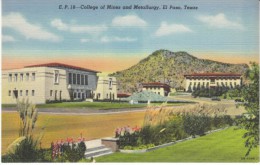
(129, 21)
(18, 23)
(7, 38)
(220, 21)
(106, 39)
(84, 40)
(168, 29)
(73, 28)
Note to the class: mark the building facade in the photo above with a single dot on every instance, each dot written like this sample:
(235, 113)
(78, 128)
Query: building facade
(212, 80)
(48, 82)
(156, 87)
(106, 88)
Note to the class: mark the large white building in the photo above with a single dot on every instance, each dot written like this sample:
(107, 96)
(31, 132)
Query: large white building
(212, 80)
(46, 82)
(106, 88)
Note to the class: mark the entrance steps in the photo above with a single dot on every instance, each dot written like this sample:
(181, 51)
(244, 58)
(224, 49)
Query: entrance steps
(96, 149)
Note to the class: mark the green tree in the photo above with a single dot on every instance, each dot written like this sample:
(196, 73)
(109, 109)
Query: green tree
(250, 122)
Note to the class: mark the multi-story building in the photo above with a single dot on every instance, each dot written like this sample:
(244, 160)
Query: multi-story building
(212, 80)
(157, 87)
(46, 82)
(106, 89)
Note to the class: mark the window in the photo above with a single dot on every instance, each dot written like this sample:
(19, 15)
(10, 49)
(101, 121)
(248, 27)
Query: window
(10, 78)
(33, 76)
(74, 78)
(15, 77)
(70, 78)
(79, 95)
(75, 95)
(78, 79)
(50, 92)
(55, 95)
(86, 79)
(56, 77)
(212, 80)
(235, 83)
(60, 95)
(21, 93)
(82, 79)
(26, 92)
(110, 83)
(33, 92)
(21, 77)
(27, 76)
(9, 93)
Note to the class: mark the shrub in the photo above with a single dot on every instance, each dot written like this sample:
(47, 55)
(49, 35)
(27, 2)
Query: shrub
(26, 151)
(128, 136)
(25, 147)
(68, 152)
(196, 125)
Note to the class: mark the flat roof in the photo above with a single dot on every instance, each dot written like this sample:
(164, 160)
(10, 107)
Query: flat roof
(213, 74)
(60, 65)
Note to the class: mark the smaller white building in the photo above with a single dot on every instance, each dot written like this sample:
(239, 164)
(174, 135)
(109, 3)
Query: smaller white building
(106, 88)
(157, 87)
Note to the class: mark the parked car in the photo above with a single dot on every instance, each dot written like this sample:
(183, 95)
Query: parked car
(215, 99)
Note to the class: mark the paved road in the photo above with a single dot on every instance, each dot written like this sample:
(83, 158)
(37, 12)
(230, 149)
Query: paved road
(91, 111)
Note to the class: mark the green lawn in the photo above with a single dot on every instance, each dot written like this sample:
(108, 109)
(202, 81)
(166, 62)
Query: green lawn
(223, 146)
(94, 105)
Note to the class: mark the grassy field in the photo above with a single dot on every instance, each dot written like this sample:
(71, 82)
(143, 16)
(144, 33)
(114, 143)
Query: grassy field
(63, 126)
(223, 146)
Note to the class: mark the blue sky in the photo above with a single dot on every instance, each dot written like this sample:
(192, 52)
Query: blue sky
(40, 28)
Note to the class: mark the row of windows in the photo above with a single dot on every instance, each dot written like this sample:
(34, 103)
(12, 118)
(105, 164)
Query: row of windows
(220, 78)
(55, 93)
(212, 80)
(78, 79)
(22, 76)
(153, 88)
(79, 95)
(222, 83)
(17, 93)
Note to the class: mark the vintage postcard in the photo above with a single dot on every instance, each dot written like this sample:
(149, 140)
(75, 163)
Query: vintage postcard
(130, 81)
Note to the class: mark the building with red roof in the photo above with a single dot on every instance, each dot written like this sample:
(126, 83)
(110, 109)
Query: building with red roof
(157, 87)
(48, 82)
(212, 80)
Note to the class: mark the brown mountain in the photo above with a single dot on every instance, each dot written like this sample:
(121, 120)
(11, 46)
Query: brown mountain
(170, 67)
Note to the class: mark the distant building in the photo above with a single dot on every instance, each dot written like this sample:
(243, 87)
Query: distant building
(106, 89)
(156, 87)
(47, 82)
(212, 80)
(123, 95)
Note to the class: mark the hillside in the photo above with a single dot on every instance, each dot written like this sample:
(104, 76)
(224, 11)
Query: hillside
(170, 67)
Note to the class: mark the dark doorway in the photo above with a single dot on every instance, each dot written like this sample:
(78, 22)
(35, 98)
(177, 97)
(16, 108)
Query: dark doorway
(60, 95)
(15, 93)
